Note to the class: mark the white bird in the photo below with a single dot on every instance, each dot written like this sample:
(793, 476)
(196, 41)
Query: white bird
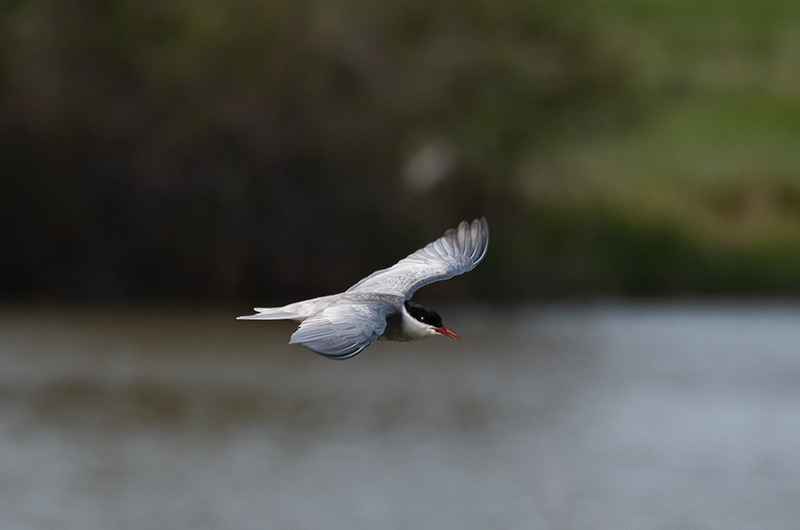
(341, 325)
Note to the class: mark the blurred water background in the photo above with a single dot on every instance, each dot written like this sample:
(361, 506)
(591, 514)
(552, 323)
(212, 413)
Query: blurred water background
(629, 355)
(602, 416)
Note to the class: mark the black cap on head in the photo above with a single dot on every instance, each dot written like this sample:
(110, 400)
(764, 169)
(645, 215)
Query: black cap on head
(423, 314)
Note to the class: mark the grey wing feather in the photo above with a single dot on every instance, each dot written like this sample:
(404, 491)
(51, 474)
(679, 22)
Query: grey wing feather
(458, 251)
(343, 330)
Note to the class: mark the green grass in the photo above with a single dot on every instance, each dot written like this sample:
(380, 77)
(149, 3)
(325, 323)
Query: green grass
(698, 191)
(716, 85)
(646, 146)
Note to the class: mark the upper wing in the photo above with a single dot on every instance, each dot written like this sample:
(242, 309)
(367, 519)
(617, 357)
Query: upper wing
(342, 330)
(459, 250)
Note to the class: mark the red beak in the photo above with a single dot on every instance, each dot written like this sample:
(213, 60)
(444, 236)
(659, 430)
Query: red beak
(447, 332)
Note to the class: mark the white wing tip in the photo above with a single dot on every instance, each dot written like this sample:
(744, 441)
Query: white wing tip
(476, 242)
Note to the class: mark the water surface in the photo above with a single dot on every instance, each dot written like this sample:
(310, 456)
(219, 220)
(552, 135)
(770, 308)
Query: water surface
(602, 417)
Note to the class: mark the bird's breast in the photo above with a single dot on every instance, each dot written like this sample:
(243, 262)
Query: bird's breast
(394, 328)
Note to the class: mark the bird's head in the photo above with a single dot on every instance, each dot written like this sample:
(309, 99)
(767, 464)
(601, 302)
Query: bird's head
(429, 318)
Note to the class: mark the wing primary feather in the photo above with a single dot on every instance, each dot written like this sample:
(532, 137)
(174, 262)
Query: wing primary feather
(479, 243)
(461, 235)
(343, 330)
(459, 250)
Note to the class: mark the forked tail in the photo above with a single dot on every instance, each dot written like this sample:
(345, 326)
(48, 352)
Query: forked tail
(298, 311)
(270, 313)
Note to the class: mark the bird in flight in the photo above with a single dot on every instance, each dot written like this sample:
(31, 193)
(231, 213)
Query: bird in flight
(379, 306)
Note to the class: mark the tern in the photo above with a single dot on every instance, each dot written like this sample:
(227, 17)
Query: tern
(379, 306)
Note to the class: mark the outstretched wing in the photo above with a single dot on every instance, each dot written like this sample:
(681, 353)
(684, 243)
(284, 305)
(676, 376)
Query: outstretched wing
(459, 250)
(342, 330)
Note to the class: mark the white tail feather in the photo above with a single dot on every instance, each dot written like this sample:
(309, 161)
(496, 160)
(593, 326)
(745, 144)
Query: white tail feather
(271, 313)
(297, 311)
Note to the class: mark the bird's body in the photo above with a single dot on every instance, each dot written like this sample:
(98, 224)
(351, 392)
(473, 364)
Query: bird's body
(341, 325)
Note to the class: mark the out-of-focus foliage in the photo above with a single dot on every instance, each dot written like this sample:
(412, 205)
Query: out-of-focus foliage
(277, 149)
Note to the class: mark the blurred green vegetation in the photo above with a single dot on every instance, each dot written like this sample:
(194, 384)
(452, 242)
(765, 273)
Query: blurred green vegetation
(268, 150)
